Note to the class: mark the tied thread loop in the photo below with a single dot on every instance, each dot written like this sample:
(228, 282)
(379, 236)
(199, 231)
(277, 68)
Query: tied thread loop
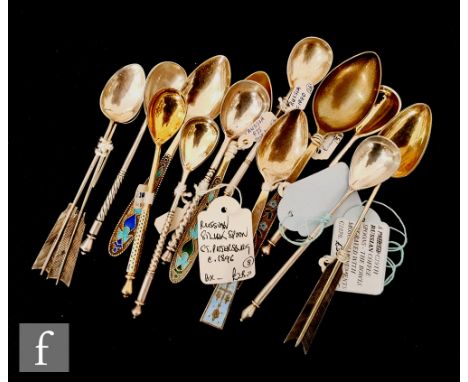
(202, 190)
(283, 104)
(393, 246)
(143, 197)
(317, 139)
(231, 150)
(245, 141)
(104, 147)
(235, 146)
(268, 187)
(179, 191)
(282, 186)
(340, 256)
(314, 235)
(148, 198)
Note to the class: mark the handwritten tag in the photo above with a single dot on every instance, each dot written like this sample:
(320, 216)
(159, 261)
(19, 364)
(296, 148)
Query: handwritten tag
(161, 220)
(225, 242)
(330, 143)
(299, 97)
(364, 273)
(307, 200)
(261, 126)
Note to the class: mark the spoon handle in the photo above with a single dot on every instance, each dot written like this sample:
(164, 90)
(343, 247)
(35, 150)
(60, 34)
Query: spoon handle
(316, 306)
(236, 179)
(313, 312)
(344, 150)
(80, 221)
(182, 262)
(144, 289)
(220, 163)
(258, 208)
(317, 140)
(120, 239)
(271, 242)
(87, 245)
(258, 300)
(137, 247)
(69, 243)
(276, 237)
(270, 211)
(49, 247)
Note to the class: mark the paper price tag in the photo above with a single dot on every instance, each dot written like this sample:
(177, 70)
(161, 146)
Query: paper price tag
(161, 220)
(139, 199)
(299, 97)
(307, 200)
(261, 126)
(225, 242)
(330, 143)
(364, 273)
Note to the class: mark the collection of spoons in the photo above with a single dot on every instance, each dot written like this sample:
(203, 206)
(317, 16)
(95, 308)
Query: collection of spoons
(203, 90)
(164, 75)
(183, 108)
(120, 102)
(387, 105)
(409, 132)
(244, 103)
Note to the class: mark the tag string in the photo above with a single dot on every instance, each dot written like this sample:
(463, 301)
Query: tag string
(393, 246)
(322, 222)
(143, 196)
(104, 147)
(218, 187)
(180, 191)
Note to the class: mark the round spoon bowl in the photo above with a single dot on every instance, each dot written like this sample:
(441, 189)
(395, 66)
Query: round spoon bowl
(206, 86)
(123, 94)
(347, 94)
(386, 106)
(410, 131)
(166, 113)
(165, 75)
(309, 61)
(375, 160)
(281, 147)
(244, 102)
(263, 79)
(198, 140)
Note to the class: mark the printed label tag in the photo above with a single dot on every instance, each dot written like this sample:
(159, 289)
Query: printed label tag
(364, 273)
(330, 143)
(161, 220)
(225, 242)
(354, 213)
(261, 126)
(139, 199)
(299, 97)
(307, 200)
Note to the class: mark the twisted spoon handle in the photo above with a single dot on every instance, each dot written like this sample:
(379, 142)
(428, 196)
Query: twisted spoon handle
(87, 245)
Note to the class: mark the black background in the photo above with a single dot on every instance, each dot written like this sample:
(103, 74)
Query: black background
(61, 57)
